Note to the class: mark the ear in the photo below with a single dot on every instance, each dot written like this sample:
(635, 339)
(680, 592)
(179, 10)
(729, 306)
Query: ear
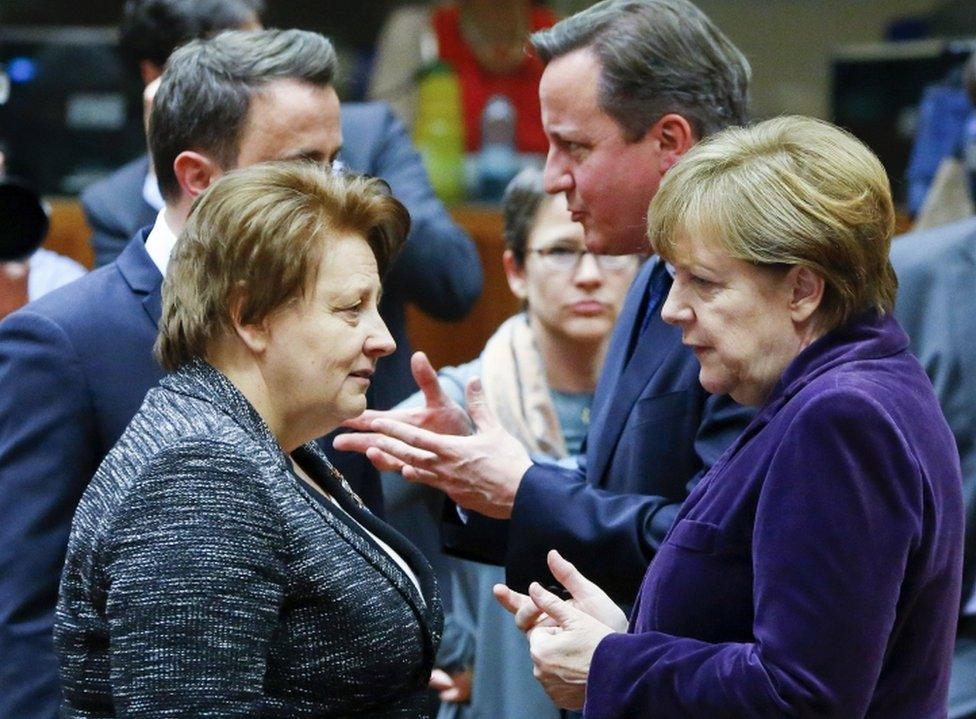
(149, 71)
(806, 293)
(194, 171)
(674, 137)
(515, 274)
(254, 336)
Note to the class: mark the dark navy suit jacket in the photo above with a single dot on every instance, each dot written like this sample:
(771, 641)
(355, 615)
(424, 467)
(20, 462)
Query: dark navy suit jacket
(653, 432)
(439, 269)
(75, 366)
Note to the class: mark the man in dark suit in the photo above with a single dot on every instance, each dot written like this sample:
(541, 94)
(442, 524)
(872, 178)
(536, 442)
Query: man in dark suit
(936, 275)
(75, 365)
(618, 111)
(439, 269)
(129, 199)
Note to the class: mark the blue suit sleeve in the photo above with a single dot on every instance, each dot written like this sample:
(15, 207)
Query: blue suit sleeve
(439, 269)
(46, 460)
(836, 523)
(556, 508)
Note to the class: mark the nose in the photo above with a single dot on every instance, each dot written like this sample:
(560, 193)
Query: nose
(588, 274)
(379, 342)
(556, 176)
(675, 311)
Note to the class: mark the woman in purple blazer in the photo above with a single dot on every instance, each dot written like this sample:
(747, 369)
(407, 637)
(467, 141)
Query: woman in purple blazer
(815, 570)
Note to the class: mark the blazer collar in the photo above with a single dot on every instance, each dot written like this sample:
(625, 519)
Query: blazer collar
(629, 378)
(201, 380)
(426, 605)
(869, 335)
(139, 272)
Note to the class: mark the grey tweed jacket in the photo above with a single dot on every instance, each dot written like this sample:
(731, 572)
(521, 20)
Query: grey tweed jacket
(204, 580)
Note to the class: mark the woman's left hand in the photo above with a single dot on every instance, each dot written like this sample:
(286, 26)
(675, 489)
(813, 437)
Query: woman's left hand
(563, 648)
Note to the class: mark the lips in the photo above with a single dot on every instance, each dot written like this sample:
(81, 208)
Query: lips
(588, 307)
(363, 374)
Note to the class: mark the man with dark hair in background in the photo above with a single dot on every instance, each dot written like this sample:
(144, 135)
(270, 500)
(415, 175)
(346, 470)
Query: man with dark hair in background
(128, 199)
(75, 366)
(439, 269)
(629, 87)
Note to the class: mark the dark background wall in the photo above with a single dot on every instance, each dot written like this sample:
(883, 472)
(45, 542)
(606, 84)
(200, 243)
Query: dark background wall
(353, 22)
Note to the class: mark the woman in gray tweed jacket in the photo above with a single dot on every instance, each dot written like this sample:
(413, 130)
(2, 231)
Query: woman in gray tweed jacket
(218, 566)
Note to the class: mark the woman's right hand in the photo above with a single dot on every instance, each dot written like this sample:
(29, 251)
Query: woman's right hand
(586, 597)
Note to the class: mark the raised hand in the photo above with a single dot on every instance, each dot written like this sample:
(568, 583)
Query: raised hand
(586, 597)
(480, 472)
(563, 649)
(439, 414)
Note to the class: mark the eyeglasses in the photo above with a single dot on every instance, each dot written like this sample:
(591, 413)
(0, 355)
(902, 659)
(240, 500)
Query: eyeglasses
(567, 259)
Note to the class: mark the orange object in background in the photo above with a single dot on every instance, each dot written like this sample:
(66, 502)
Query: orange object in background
(13, 286)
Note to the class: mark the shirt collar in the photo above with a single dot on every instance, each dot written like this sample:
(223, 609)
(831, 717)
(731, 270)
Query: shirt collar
(160, 243)
(151, 193)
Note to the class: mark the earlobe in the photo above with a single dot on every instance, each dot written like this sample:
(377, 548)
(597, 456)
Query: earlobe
(515, 274)
(194, 172)
(807, 289)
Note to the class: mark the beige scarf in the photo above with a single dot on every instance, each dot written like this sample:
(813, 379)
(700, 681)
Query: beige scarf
(514, 379)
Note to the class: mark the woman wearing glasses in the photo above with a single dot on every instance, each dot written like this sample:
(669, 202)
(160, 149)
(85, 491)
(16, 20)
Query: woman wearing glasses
(538, 371)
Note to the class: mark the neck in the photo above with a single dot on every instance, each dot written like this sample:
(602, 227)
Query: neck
(175, 214)
(571, 365)
(247, 377)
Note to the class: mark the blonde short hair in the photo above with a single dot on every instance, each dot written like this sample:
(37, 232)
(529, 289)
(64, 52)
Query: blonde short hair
(263, 229)
(788, 191)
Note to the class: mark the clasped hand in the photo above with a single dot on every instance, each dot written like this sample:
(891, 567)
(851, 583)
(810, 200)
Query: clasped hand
(466, 455)
(563, 635)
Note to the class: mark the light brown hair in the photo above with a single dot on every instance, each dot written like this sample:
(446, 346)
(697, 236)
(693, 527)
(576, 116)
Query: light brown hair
(263, 230)
(785, 192)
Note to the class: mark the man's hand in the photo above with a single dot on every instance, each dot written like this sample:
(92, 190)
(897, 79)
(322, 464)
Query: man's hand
(586, 597)
(439, 414)
(481, 472)
(454, 688)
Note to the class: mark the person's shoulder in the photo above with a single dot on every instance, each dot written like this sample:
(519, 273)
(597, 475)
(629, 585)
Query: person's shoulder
(77, 304)
(930, 250)
(105, 192)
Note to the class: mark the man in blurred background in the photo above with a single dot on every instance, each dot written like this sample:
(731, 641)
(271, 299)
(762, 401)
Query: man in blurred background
(75, 366)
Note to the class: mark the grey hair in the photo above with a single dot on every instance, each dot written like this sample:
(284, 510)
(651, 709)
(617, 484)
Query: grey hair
(524, 196)
(656, 57)
(206, 90)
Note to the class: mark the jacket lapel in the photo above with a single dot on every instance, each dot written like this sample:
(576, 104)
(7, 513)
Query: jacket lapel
(142, 276)
(629, 379)
(613, 363)
(427, 612)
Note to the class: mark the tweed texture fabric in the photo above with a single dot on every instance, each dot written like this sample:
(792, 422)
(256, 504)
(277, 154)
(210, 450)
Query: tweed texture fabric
(203, 579)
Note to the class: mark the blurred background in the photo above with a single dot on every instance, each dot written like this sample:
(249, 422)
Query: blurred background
(862, 63)
(891, 71)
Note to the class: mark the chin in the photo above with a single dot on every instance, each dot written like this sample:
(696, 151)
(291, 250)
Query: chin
(588, 330)
(712, 384)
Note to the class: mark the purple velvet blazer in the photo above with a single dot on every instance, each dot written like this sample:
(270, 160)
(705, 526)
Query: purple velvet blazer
(815, 570)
